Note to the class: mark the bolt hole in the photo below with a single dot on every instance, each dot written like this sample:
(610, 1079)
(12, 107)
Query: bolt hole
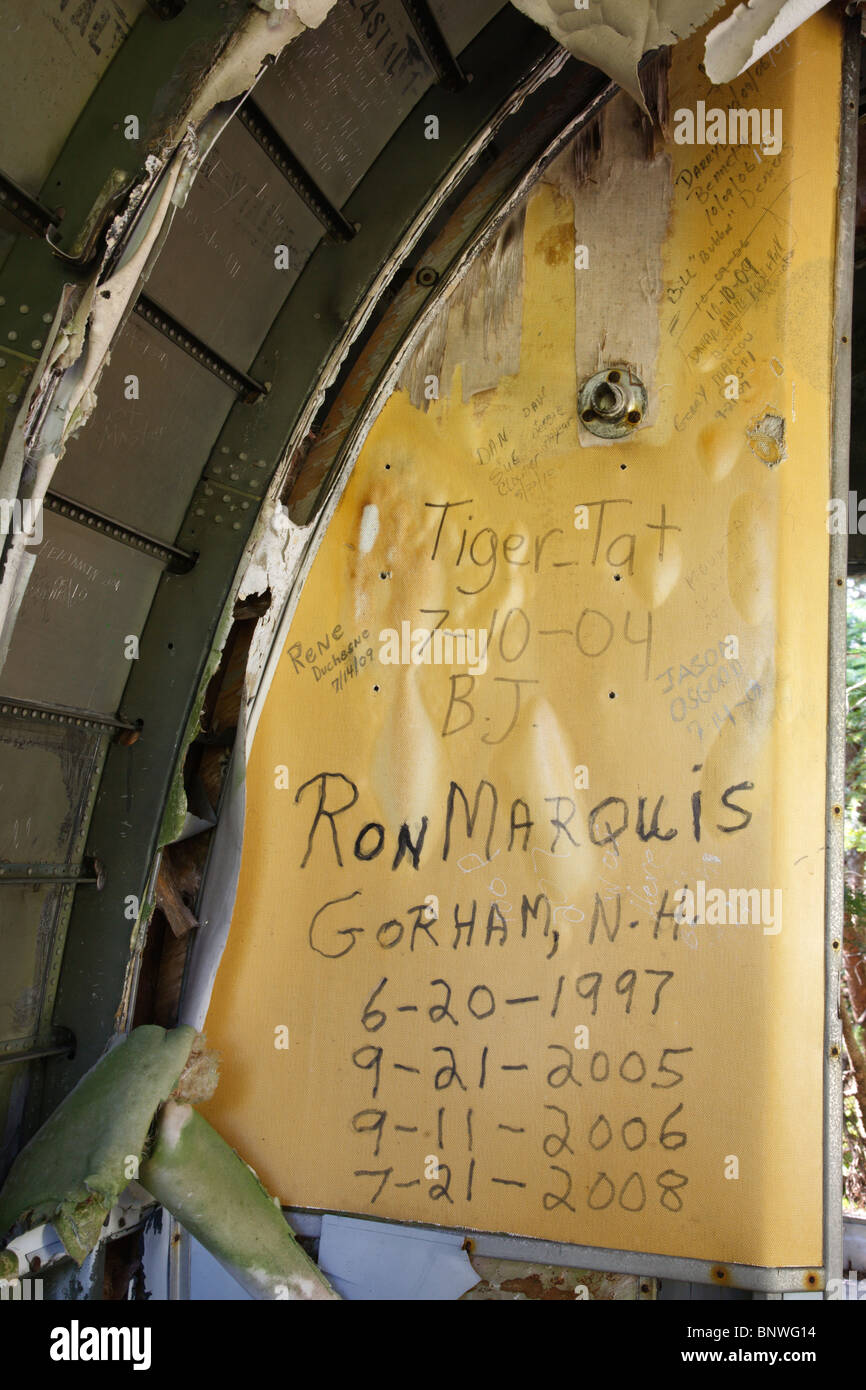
(613, 376)
(623, 467)
(835, 945)
(837, 810)
(633, 417)
(588, 415)
(611, 695)
(834, 1051)
(387, 466)
(839, 583)
(375, 690)
(385, 574)
(605, 400)
(617, 577)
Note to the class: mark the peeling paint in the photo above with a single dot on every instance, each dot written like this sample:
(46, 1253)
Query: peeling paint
(519, 1281)
(264, 35)
(766, 436)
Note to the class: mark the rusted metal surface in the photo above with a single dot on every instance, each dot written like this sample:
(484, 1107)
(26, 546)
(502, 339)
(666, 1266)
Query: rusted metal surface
(521, 1282)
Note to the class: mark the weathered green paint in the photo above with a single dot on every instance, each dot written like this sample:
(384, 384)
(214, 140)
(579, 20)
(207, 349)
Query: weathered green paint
(196, 1176)
(76, 1166)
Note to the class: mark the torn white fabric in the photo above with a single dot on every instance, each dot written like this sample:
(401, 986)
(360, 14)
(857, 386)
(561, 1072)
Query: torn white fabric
(750, 32)
(615, 35)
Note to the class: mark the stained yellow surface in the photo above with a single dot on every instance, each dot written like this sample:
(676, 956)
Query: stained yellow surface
(537, 1059)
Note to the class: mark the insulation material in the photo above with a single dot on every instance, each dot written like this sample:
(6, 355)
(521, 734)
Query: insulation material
(614, 36)
(463, 984)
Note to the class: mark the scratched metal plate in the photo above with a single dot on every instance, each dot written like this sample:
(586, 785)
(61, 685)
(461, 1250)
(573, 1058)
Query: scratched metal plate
(52, 55)
(45, 776)
(461, 20)
(26, 935)
(216, 273)
(139, 460)
(337, 116)
(46, 780)
(86, 594)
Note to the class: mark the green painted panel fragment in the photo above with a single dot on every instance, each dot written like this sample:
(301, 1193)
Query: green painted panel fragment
(196, 1176)
(78, 1163)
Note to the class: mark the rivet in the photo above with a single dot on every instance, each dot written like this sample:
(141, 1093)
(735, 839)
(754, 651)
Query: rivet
(224, 448)
(217, 518)
(12, 336)
(24, 308)
(37, 343)
(47, 318)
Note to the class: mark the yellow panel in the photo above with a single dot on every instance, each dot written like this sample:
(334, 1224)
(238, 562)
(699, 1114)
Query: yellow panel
(683, 668)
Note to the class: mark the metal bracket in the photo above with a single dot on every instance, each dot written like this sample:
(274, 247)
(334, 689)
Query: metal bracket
(71, 717)
(90, 870)
(25, 208)
(175, 560)
(62, 1046)
(248, 389)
